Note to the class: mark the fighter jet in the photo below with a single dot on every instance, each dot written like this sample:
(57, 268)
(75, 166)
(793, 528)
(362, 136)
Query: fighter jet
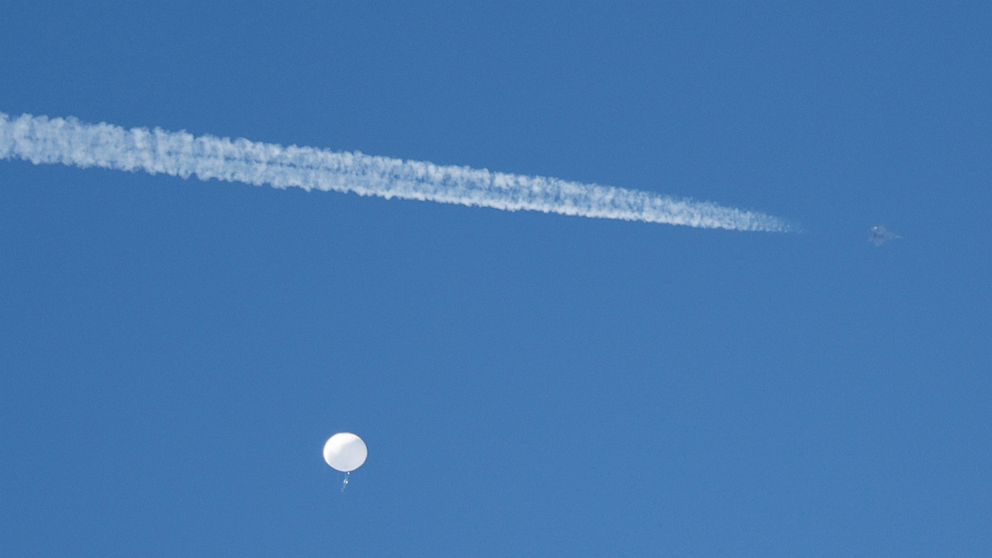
(880, 235)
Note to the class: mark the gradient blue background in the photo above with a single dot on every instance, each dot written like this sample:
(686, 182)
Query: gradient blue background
(174, 353)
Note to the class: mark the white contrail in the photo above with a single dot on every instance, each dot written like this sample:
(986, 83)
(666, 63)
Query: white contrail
(68, 141)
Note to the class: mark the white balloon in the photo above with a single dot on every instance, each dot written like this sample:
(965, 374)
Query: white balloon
(345, 452)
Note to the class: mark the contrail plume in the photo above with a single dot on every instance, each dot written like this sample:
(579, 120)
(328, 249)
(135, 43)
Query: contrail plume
(68, 141)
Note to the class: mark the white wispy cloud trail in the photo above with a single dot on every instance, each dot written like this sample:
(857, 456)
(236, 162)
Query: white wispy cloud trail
(68, 141)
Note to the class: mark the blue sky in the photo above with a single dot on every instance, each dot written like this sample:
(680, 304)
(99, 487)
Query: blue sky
(175, 353)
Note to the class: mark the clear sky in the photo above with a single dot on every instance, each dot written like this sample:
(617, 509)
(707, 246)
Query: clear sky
(174, 353)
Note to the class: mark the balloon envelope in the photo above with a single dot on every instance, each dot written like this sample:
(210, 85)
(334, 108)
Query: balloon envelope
(345, 452)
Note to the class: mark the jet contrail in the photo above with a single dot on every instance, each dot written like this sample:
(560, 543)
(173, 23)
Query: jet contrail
(68, 141)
